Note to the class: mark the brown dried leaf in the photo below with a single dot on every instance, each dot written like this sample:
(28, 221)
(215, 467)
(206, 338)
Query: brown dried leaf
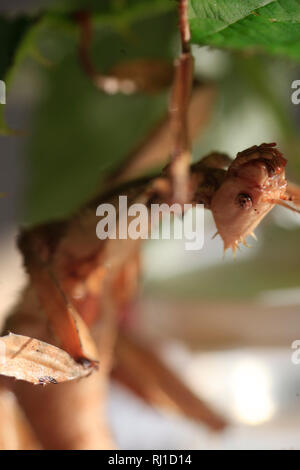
(38, 362)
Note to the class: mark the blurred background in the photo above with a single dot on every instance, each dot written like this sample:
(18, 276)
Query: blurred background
(226, 326)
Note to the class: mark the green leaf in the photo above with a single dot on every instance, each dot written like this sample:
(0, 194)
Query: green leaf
(268, 26)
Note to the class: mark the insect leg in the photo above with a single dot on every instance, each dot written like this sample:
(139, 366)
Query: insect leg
(15, 431)
(178, 168)
(139, 369)
(66, 322)
(293, 193)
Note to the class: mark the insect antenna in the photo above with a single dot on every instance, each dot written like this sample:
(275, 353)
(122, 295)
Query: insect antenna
(279, 202)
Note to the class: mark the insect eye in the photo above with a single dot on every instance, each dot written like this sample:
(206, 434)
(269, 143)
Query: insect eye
(244, 200)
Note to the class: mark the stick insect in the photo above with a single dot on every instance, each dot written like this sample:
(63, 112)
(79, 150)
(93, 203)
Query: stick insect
(67, 327)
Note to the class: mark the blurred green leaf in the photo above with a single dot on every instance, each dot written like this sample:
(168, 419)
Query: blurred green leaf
(80, 134)
(270, 26)
(18, 35)
(112, 7)
(11, 33)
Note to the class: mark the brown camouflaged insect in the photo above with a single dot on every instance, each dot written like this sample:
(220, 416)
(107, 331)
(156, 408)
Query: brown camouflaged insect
(80, 288)
(254, 182)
